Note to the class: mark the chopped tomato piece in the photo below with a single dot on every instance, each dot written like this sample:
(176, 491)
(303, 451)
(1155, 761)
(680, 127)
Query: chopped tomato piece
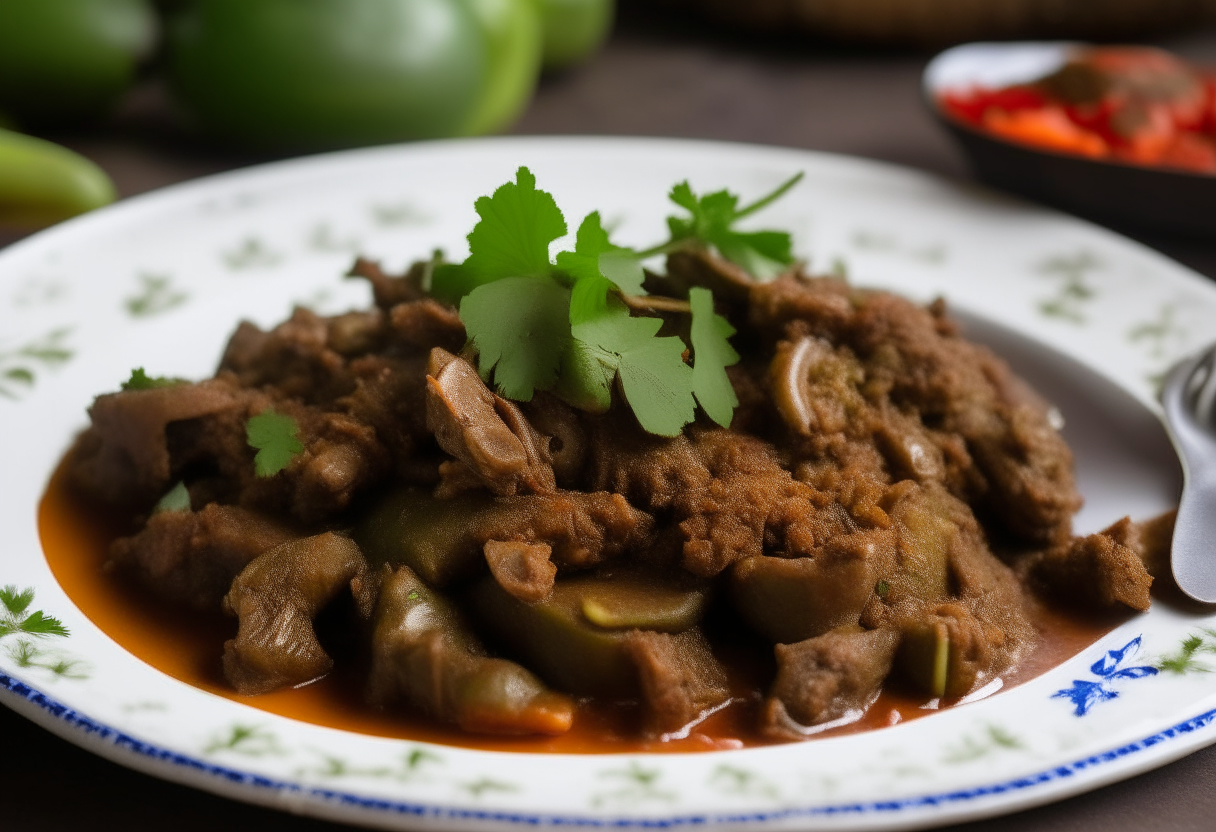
(1048, 127)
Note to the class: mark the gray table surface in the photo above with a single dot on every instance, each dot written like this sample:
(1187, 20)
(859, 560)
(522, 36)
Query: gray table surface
(658, 76)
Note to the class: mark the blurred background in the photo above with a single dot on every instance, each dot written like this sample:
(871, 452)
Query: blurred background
(104, 99)
(158, 92)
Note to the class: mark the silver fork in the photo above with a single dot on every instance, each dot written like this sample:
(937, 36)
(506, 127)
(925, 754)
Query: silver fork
(1189, 400)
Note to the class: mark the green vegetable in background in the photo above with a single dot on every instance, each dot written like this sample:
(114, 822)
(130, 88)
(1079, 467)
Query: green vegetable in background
(512, 29)
(330, 73)
(68, 60)
(42, 183)
(574, 29)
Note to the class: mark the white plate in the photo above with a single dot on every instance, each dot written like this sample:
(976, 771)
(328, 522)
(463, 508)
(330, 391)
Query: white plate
(159, 281)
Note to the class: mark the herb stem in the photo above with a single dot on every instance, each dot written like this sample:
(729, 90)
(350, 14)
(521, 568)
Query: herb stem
(656, 303)
(665, 248)
(764, 202)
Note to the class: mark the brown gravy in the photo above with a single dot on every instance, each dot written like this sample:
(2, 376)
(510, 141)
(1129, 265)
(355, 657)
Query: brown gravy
(187, 646)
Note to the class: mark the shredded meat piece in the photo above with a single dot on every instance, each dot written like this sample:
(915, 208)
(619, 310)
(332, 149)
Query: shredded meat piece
(582, 529)
(484, 431)
(276, 597)
(388, 290)
(123, 458)
(681, 681)
(294, 359)
(729, 493)
(826, 678)
(522, 569)
(427, 323)
(390, 397)
(1095, 570)
(191, 557)
(1149, 539)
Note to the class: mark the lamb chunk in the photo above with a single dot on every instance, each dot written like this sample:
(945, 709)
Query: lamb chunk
(390, 396)
(522, 569)
(123, 458)
(356, 333)
(423, 324)
(582, 529)
(1149, 539)
(276, 597)
(648, 470)
(341, 457)
(994, 597)
(484, 431)
(294, 359)
(823, 304)
(833, 676)
(390, 290)
(192, 557)
(1095, 570)
(681, 681)
(947, 650)
(568, 443)
(728, 492)
(426, 656)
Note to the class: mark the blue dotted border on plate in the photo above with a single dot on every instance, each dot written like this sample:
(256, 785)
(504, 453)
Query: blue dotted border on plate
(126, 741)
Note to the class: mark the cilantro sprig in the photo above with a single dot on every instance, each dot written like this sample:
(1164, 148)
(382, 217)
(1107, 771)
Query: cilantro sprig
(275, 436)
(579, 325)
(711, 220)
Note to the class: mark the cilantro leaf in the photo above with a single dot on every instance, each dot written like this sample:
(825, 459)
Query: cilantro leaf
(140, 380)
(595, 256)
(176, 498)
(656, 382)
(658, 385)
(598, 268)
(275, 436)
(764, 254)
(520, 326)
(589, 298)
(712, 354)
(586, 376)
(518, 222)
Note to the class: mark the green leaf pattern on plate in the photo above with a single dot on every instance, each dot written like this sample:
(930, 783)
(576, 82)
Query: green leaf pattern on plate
(1074, 290)
(32, 628)
(156, 295)
(19, 367)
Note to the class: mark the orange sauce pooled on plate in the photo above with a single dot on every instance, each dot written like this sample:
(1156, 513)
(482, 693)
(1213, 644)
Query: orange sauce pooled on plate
(187, 645)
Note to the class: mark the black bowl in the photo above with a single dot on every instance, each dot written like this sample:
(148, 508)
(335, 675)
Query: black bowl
(1126, 196)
